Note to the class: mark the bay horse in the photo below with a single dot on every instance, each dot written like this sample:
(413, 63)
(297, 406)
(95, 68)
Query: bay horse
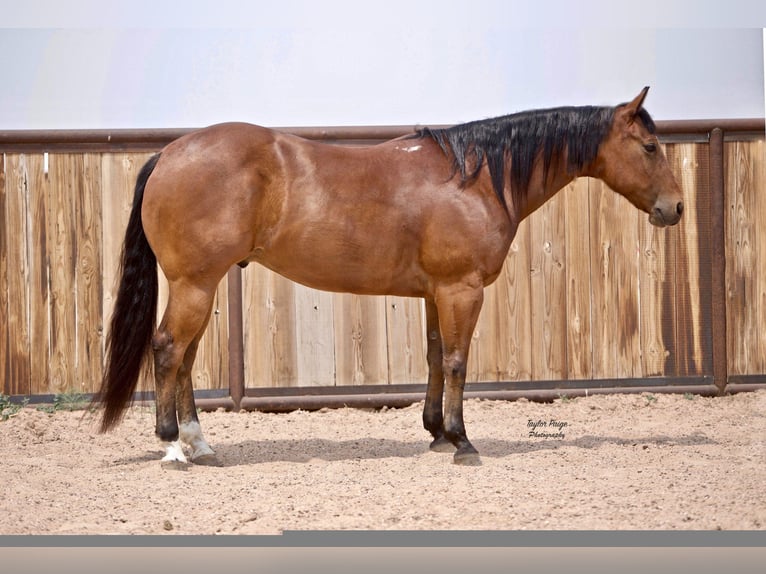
(431, 214)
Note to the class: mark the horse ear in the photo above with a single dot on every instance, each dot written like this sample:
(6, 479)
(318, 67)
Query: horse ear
(631, 109)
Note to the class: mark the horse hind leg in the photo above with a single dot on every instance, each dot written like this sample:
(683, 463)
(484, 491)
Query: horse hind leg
(190, 431)
(174, 346)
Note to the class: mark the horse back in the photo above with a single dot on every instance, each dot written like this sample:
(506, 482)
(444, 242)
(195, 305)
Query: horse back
(373, 219)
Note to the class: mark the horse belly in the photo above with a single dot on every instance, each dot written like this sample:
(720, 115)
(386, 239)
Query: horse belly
(332, 261)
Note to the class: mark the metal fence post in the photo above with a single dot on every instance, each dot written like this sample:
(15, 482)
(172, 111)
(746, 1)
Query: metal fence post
(236, 340)
(718, 254)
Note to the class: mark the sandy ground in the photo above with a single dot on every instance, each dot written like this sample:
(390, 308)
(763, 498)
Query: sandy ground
(602, 462)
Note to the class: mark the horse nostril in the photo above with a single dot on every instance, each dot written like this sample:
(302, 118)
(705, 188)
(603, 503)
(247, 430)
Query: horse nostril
(680, 207)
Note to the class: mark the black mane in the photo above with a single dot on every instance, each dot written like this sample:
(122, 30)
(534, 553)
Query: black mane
(520, 137)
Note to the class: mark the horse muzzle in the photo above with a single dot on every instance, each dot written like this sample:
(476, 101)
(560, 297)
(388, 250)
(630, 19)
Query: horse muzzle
(665, 215)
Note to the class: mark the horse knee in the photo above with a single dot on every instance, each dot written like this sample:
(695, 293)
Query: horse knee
(455, 367)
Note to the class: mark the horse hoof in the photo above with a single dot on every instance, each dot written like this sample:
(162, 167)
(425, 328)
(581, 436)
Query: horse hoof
(174, 465)
(467, 457)
(441, 444)
(209, 459)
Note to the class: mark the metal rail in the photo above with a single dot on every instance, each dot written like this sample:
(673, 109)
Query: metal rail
(155, 139)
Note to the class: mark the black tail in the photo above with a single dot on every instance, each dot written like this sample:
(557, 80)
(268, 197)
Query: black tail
(134, 316)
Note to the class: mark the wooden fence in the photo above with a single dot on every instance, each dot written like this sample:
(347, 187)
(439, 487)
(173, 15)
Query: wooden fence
(591, 295)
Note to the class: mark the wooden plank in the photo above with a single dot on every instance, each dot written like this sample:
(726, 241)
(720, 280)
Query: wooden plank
(489, 342)
(4, 302)
(315, 337)
(657, 302)
(548, 287)
(661, 277)
(18, 380)
(757, 152)
(602, 277)
(211, 368)
(269, 329)
(89, 288)
(742, 322)
(746, 257)
(479, 365)
(61, 247)
(626, 256)
(406, 337)
(513, 311)
(579, 342)
(614, 256)
(689, 164)
(361, 357)
(39, 271)
(220, 344)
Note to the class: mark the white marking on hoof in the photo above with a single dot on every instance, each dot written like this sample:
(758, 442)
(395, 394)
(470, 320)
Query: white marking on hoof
(191, 434)
(173, 452)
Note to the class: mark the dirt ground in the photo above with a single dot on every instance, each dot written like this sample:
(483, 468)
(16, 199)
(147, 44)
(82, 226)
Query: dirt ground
(601, 462)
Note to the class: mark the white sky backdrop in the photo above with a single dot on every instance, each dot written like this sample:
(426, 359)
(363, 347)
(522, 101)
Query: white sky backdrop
(97, 64)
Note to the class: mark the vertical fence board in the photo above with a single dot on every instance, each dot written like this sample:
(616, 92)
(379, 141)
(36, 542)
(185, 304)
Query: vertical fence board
(61, 247)
(689, 165)
(5, 309)
(481, 358)
(315, 337)
(548, 288)
(626, 259)
(360, 340)
(757, 152)
(614, 260)
(578, 277)
(746, 257)
(491, 361)
(211, 368)
(514, 307)
(602, 270)
(406, 338)
(487, 358)
(269, 328)
(656, 345)
(88, 277)
(39, 272)
(741, 230)
(18, 379)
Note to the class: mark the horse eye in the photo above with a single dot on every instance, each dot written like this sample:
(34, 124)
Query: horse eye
(650, 147)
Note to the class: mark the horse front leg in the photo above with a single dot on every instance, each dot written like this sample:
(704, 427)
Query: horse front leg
(458, 307)
(433, 419)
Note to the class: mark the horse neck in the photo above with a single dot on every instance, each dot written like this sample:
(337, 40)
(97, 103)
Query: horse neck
(540, 191)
